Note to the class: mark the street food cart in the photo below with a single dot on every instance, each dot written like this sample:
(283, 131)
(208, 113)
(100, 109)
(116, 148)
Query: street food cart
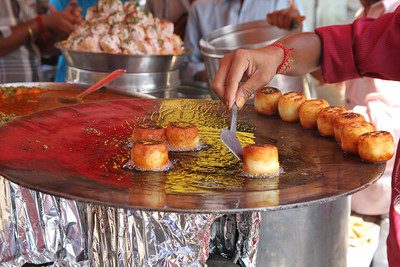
(68, 199)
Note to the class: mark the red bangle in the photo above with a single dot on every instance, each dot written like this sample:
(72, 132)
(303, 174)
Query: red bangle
(286, 62)
(41, 28)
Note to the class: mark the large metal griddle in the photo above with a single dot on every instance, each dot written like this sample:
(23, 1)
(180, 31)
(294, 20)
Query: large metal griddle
(77, 152)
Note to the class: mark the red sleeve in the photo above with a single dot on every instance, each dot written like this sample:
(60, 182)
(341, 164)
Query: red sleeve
(367, 47)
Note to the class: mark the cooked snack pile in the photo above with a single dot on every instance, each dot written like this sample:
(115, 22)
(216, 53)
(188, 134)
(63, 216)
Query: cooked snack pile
(118, 28)
(350, 129)
(151, 143)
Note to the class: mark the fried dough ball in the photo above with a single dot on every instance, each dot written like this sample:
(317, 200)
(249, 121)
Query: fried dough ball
(289, 104)
(325, 120)
(150, 155)
(266, 100)
(342, 120)
(351, 134)
(260, 159)
(182, 136)
(148, 132)
(308, 112)
(376, 146)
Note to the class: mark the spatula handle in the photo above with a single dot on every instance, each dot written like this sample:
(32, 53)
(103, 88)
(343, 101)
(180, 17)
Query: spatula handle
(234, 118)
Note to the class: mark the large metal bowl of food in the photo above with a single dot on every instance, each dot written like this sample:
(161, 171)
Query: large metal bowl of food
(117, 35)
(108, 62)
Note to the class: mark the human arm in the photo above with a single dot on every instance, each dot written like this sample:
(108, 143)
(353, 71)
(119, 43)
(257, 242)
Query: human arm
(365, 48)
(255, 68)
(58, 24)
(11, 38)
(48, 39)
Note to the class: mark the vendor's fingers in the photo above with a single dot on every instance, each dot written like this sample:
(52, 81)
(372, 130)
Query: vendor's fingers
(71, 17)
(247, 89)
(268, 18)
(218, 83)
(66, 25)
(287, 22)
(78, 12)
(300, 19)
(271, 18)
(292, 4)
(239, 66)
(281, 18)
(71, 6)
(50, 7)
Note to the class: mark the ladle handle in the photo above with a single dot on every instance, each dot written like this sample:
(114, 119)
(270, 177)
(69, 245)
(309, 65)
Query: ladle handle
(110, 77)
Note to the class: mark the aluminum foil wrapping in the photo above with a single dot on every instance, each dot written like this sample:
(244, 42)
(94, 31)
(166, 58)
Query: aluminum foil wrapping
(247, 244)
(236, 236)
(121, 237)
(40, 228)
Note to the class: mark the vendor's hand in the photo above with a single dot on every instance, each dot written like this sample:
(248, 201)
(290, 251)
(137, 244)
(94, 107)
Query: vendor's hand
(180, 25)
(59, 23)
(286, 18)
(74, 10)
(254, 68)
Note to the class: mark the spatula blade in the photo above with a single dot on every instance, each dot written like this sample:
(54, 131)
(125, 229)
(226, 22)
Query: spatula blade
(229, 138)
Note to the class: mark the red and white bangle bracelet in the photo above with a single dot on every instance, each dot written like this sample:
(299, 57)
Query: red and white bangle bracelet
(286, 62)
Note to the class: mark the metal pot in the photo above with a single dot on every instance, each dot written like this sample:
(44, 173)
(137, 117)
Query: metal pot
(156, 75)
(158, 84)
(106, 62)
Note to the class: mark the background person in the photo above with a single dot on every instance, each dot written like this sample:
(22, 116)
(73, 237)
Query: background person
(377, 100)
(208, 15)
(24, 34)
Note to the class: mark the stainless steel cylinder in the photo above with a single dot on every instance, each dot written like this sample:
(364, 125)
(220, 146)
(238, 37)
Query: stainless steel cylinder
(158, 84)
(311, 236)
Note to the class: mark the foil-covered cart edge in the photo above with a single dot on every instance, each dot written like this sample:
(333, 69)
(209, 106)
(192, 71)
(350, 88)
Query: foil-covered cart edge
(39, 228)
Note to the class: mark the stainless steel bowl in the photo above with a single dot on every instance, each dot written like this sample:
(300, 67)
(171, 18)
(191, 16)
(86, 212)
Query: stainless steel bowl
(106, 62)
(158, 84)
(222, 41)
(253, 34)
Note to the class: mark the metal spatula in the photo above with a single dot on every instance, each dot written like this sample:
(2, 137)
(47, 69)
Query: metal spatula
(229, 137)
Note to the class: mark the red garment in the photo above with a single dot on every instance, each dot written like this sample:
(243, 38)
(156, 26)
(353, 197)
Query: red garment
(368, 47)
(371, 48)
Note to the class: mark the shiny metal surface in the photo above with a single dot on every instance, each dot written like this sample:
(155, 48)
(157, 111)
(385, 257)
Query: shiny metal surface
(106, 62)
(315, 169)
(315, 235)
(144, 85)
(253, 34)
(40, 228)
(229, 136)
(193, 90)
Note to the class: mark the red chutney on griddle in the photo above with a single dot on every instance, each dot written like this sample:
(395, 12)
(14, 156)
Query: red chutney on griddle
(22, 100)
